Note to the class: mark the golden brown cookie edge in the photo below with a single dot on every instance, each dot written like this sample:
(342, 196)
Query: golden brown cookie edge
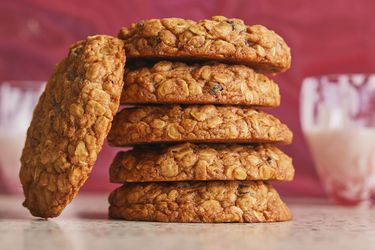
(199, 202)
(39, 185)
(198, 162)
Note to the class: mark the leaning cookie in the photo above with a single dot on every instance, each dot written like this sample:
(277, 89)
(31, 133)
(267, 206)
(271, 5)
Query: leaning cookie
(230, 201)
(70, 122)
(218, 38)
(206, 83)
(203, 124)
(193, 162)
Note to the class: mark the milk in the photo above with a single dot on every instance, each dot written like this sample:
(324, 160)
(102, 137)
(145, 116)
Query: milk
(11, 144)
(17, 101)
(345, 160)
(338, 120)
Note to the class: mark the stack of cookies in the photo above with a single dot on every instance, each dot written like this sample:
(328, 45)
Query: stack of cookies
(202, 152)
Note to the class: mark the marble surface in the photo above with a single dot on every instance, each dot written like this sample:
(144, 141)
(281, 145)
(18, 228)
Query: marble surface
(316, 225)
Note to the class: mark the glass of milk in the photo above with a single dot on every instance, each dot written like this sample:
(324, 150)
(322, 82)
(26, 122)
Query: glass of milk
(17, 102)
(338, 119)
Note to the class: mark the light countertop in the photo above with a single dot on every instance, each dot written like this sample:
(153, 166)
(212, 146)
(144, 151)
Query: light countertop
(316, 225)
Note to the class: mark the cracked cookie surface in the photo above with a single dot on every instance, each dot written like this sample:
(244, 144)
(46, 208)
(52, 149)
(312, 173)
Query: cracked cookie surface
(70, 122)
(196, 123)
(206, 83)
(229, 201)
(218, 38)
(193, 162)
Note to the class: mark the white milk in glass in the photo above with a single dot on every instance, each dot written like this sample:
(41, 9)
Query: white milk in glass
(17, 102)
(345, 160)
(338, 120)
(11, 144)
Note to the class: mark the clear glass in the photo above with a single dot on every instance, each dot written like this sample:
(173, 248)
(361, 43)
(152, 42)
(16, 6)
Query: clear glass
(338, 120)
(17, 102)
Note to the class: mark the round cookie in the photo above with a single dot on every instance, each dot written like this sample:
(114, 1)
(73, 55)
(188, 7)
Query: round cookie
(206, 83)
(193, 162)
(218, 38)
(70, 122)
(203, 124)
(230, 201)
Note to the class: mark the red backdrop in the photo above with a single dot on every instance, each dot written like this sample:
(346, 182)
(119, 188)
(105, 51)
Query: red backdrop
(326, 36)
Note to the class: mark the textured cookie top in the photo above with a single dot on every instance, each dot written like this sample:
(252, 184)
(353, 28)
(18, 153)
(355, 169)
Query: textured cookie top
(230, 201)
(218, 38)
(190, 162)
(70, 122)
(201, 123)
(206, 83)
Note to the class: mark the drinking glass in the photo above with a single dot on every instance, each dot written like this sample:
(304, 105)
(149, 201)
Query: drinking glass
(338, 119)
(17, 102)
